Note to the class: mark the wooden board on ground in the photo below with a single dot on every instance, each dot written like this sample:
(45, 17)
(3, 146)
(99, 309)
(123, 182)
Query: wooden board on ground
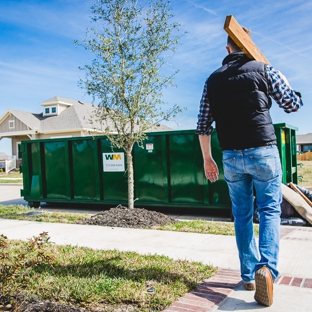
(295, 188)
(300, 205)
(243, 41)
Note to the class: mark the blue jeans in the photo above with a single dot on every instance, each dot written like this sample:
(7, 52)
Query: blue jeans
(247, 170)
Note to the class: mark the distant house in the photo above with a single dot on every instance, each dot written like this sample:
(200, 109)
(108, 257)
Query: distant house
(4, 156)
(304, 142)
(7, 163)
(60, 118)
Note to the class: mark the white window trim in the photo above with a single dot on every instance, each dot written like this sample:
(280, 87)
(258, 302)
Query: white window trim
(11, 124)
(50, 113)
(17, 144)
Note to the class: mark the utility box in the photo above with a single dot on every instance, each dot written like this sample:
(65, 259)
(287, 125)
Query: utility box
(168, 170)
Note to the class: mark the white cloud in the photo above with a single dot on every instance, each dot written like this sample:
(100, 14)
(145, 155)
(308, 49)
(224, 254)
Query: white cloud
(198, 6)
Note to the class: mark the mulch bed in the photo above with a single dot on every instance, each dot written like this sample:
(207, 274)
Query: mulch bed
(129, 218)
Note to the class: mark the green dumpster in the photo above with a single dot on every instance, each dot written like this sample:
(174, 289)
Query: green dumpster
(287, 147)
(168, 170)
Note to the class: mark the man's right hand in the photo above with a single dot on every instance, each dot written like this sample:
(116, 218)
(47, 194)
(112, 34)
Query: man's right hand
(211, 170)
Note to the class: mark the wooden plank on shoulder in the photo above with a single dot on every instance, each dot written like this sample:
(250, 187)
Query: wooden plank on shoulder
(243, 41)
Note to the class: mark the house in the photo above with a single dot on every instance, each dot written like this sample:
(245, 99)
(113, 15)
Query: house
(4, 156)
(60, 118)
(7, 163)
(304, 142)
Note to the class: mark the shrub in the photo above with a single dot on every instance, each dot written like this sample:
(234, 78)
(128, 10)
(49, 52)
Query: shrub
(16, 262)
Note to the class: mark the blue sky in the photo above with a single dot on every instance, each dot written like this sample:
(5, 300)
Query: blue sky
(38, 59)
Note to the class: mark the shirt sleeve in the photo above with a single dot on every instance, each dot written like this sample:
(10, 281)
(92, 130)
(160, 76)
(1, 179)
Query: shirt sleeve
(205, 119)
(281, 92)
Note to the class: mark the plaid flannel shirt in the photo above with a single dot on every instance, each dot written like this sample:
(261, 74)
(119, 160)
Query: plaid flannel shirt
(279, 90)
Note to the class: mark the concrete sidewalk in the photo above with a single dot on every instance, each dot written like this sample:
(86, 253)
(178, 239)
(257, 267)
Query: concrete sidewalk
(293, 290)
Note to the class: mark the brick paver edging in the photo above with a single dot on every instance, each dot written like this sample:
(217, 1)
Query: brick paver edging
(209, 293)
(294, 281)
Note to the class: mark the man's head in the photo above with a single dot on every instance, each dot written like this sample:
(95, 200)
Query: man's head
(232, 46)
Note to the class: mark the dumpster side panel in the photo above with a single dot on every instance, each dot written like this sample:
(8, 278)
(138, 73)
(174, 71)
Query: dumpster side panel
(186, 176)
(149, 170)
(57, 168)
(35, 172)
(85, 169)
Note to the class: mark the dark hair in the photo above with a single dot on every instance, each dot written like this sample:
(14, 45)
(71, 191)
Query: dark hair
(233, 45)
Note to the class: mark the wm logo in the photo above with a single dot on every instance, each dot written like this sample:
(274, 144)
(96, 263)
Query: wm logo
(112, 156)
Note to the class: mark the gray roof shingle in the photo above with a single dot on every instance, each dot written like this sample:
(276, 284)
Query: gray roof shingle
(75, 116)
(30, 119)
(304, 138)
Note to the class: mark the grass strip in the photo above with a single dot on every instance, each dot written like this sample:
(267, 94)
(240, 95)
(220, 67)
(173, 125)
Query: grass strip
(201, 226)
(20, 212)
(204, 227)
(10, 181)
(17, 212)
(12, 175)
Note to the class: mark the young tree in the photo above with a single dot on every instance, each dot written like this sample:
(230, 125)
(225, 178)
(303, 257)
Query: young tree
(129, 71)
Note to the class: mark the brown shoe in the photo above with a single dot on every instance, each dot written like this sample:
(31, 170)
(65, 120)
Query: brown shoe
(250, 286)
(264, 287)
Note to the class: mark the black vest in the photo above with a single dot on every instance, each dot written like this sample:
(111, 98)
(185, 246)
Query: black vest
(239, 103)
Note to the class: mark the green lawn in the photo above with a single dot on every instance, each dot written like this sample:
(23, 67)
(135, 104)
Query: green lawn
(305, 173)
(14, 177)
(94, 278)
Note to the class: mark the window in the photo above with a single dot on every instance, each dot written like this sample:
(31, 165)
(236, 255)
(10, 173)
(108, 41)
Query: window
(19, 155)
(47, 110)
(306, 148)
(11, 124)
(53, 110)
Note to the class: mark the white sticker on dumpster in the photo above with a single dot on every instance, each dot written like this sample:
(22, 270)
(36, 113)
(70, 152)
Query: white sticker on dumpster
(113, 162)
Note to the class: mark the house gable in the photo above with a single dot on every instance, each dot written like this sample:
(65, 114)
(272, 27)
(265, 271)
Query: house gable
(10, 123)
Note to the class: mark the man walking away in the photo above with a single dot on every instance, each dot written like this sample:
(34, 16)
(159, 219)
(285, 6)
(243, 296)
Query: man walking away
(237, 97)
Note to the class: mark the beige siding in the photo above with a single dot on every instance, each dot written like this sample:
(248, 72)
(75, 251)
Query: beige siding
(62, 135)
(15, 142)
(18, 125)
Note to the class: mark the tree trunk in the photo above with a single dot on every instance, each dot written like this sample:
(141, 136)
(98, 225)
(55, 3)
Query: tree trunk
(130, 179)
